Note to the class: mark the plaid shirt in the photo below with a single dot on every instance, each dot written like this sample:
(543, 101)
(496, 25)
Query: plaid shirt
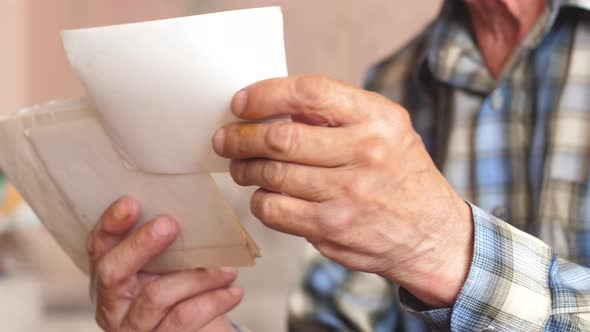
(518, 148)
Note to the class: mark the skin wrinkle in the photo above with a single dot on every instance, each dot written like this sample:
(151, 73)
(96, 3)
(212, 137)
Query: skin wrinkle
(355, 185)
(282, 138)
(430, 228)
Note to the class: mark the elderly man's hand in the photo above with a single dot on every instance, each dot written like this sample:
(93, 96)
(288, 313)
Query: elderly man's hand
(130, 300)
(352, 176)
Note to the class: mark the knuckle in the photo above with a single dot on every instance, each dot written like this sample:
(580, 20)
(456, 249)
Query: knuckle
(266, 209)
(281, 138)
(198, 313)
(270, 209)
(186, 313)
(218, 303)
(212, 306)
(373, 152)
(342, 222)
(238, 172)
(391, 110)
(142, 239)
(357, 189)
(339, 221)
(402, 113)
(400, 118)
(310, 90)
(153, 296)
(326, 250)
(274, 174)
(106, 275)
(413, 139)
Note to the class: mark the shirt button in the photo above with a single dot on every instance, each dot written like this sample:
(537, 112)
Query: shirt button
(500, 212)
(497, 100)
(488, 329)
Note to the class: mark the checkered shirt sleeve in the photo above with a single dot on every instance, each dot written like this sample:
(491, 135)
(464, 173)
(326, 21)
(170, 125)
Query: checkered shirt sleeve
(516, 283)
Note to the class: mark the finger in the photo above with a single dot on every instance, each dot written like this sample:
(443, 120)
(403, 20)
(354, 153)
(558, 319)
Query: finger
(285, 214)
(286, 141)
(158, 297)
(195, 313)
(110, 310)
(314, 97)
(112, 227)
(132, 254)
(305, 182)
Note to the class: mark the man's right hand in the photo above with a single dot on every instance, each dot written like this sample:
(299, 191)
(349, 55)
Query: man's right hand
(128, 299)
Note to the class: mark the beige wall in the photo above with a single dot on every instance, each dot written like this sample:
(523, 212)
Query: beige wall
(50, 75)
(14, 52)
(33, 65)
(339, 38)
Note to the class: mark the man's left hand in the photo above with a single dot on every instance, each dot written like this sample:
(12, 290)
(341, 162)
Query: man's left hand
(351, 175)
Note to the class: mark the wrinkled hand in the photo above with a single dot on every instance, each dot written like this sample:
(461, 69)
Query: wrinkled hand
(130, 300)
(352, 176)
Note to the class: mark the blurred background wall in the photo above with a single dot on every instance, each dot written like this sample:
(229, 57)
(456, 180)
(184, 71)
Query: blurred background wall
(340, 38)
(336, 37)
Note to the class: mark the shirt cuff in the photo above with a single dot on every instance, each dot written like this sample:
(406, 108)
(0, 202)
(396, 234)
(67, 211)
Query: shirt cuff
(439, 319)
(506, 287)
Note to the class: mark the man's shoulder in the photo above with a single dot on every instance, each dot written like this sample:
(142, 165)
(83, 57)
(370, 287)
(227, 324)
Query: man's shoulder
(402, 65)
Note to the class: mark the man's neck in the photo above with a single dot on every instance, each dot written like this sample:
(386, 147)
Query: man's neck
(500, 26)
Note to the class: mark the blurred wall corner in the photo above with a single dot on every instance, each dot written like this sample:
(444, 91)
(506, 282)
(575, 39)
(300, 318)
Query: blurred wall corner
(14, 55)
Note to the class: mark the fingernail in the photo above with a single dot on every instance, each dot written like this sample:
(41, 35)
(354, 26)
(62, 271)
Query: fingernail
(219, 140)
(229, 270)
(163, 226)
(238, 104)
(121, 211)
(235, 291)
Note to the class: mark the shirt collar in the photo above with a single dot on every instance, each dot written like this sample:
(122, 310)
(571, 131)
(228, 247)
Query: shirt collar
(557, 4)
(454, 58)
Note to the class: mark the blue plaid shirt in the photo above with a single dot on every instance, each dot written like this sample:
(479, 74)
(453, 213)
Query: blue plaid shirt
(518, 148)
